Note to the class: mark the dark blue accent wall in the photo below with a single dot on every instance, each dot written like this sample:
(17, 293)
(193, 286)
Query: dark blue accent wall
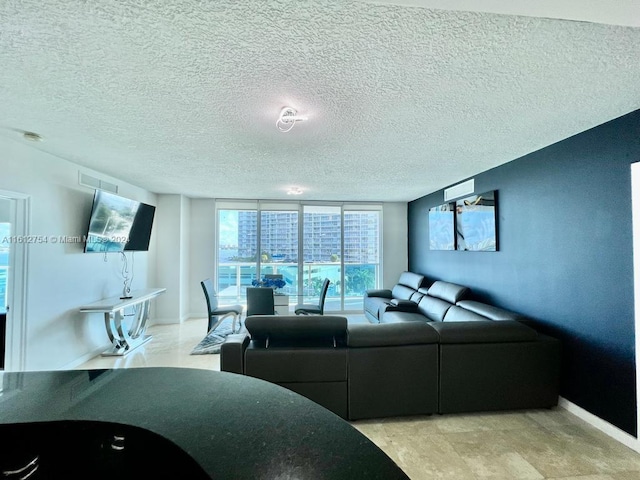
(565, 259)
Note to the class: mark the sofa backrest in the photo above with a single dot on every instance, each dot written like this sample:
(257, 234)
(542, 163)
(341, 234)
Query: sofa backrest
(489, 311)
(433, 308)
(411, 280)
(449, 292)
(297, 330)
(402, 292)
(459, 314)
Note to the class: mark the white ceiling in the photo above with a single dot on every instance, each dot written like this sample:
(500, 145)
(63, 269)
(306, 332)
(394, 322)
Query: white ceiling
(402, 98)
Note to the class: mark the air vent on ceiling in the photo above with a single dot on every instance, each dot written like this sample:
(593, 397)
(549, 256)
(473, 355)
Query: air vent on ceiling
(464, 188)
(93, 182)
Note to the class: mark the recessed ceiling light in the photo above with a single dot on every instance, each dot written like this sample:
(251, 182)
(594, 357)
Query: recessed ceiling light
(32, 136)
(294, 191)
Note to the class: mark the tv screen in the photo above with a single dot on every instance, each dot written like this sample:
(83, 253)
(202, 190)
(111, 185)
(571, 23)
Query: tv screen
(117, 224)
(140, 233)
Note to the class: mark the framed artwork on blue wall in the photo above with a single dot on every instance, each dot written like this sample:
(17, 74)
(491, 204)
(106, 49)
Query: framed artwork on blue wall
(476, 223)
(441, 227)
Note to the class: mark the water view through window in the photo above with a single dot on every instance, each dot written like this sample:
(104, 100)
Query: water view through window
(304, 244)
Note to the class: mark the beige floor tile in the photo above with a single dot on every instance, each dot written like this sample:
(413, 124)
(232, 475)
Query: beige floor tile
(429, 457)
(506, 466)
(585, 477)
(635, 475)
(410, 426)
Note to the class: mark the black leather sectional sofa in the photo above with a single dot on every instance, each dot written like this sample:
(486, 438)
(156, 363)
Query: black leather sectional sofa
(430, 350)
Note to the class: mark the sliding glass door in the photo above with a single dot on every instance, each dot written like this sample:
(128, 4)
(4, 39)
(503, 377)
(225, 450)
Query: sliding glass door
(361, 255)
(305, 243)
(237, 252)
(322, 253)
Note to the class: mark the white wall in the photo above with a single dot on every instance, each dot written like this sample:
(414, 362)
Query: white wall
(395, 243)
(5, 210)
(173, 225)
(60, 277)
(202, 246)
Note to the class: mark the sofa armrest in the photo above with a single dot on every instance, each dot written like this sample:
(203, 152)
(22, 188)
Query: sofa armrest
(398, 305)
(232, 353)
(383, 293)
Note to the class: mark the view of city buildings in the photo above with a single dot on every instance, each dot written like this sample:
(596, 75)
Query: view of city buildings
(273, 242)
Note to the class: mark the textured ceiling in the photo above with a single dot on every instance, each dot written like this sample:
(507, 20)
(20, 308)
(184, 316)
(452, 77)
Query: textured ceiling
(182, 96)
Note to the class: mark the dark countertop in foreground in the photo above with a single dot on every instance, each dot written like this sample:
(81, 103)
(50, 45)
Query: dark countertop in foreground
(233, 426)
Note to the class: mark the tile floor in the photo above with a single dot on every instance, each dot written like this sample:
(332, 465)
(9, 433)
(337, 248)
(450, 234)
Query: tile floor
(540, 444)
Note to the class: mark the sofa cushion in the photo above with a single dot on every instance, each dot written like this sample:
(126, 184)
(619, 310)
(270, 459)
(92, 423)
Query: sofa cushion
(433, 308)
(372, 306)
(394, 316)
(449, 292)
(402, 292)
(486, 331)
(417, 296)
(489, 311)
(459, 314)
(391, 334)
(411, 280)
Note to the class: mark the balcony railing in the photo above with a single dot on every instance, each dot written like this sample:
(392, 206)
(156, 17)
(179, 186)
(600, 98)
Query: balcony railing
(234, 277)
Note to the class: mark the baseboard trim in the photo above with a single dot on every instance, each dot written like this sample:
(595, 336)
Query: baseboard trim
(602, 425)
(85, 358)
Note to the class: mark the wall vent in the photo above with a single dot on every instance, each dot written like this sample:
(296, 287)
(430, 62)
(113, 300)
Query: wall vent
(93, 182)
(464, 188)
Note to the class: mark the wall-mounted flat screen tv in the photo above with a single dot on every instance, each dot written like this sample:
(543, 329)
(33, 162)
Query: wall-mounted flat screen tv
(118, 224)
(476, 223)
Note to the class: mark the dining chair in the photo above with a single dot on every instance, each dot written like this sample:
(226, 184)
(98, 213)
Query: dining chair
(217, 313)
(313, 309)
(260, 301)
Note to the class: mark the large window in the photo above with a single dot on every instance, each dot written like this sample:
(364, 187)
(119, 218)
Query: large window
(322, 247)
(303, 243)
(279, 246)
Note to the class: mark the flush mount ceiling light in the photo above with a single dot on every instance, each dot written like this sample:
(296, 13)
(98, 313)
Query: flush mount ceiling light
(294, 191)
(287, 119)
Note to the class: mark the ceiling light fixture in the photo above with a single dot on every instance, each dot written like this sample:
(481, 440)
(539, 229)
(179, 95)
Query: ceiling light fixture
(287, 119)
(294, 191)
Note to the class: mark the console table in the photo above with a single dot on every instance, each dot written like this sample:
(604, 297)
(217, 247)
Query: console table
(125, 338)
